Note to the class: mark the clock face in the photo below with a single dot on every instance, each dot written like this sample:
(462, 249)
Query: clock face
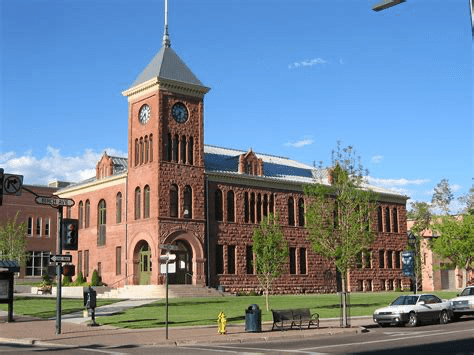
(179, 112)
(144, 114)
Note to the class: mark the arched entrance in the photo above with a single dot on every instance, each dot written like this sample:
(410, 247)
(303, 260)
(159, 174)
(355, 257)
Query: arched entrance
(144, 264)
(183, 268)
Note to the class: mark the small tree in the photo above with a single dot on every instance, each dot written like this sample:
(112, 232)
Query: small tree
(95, 279)
(455, 241)
(79, 279)
(468, 201)
(442, 196)
(338, 216)
(13, 241)
(271, 253)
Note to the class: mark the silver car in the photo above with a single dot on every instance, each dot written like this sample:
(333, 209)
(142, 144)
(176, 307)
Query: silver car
(411, 310)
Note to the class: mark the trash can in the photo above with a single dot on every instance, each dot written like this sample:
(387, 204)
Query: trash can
(253, 319)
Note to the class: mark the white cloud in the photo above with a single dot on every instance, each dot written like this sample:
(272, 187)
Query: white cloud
(53, 166)
(396, 182)
(300, 143)
(377, 159)
(307, 63)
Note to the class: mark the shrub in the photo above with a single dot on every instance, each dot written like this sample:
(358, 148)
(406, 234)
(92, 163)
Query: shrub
(66, 281)
(95, 279)
(80, 280)
(46, 279)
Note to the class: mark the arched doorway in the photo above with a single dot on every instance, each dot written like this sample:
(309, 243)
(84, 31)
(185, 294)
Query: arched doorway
(183, 270)
(144, 264)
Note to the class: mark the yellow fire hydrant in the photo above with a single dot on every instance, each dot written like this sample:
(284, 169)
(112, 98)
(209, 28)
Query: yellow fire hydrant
(221, 323)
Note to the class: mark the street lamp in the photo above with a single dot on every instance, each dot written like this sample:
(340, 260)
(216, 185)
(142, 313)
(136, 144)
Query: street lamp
(385, 4)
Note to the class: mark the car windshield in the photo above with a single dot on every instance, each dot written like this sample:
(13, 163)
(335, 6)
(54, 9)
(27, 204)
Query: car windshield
(468, 291)
(404, 300)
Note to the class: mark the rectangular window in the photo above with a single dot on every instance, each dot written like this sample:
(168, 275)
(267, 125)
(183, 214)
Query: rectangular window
(46, 227)
(359, 260)
(292, 260)
(219, 259)
(302, 261)
(381, 259)
(249, 259)
(38, 226)
(29, 230)
(389, 260)
(86, 263)
(368, 259)
(79, 262)
(37, 263)
(397, 260)
(231, 259)
(118, 260)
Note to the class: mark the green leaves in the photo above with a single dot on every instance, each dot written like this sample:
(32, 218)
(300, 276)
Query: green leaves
(13, 241)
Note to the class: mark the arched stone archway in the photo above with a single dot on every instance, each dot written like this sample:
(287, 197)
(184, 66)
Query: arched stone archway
(143, 266)
(189, 258)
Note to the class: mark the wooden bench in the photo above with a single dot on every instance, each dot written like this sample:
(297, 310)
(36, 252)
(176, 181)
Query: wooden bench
(294, 317)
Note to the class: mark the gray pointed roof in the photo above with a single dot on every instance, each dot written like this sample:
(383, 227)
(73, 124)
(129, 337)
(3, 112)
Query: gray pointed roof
(167, 65)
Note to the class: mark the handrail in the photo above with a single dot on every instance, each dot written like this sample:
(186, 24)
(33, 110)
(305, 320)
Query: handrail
(186, 278)
(116, 282)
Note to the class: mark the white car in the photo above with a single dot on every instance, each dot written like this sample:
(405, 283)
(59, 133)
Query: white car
(411, 310)
(464, 304)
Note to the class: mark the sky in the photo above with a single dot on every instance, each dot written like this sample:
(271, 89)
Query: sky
(287, 78)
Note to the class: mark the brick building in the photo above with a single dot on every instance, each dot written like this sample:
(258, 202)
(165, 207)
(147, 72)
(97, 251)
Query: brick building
(205, 200)
(41, 226)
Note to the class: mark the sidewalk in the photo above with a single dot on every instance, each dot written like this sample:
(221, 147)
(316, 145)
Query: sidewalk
(75, 332)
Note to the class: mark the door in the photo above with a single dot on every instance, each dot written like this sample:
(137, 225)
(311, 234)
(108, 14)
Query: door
(144, 267)
(184, 264)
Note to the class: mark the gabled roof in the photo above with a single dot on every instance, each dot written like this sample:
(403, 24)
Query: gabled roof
(167, 65)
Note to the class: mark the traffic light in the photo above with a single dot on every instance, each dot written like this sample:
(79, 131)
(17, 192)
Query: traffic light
(1, 186)
(69, 270)
(69, 234)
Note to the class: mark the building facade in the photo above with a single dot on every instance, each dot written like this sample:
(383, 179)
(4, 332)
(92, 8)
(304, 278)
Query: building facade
(206, 202)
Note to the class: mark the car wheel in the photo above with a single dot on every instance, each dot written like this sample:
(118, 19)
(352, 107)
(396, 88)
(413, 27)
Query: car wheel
(412, 320)
(443, 318)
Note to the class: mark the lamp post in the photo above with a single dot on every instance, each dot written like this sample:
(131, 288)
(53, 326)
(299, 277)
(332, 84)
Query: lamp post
(413, 242)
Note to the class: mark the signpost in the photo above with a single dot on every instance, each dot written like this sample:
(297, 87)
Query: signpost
(166, 259)
(12, 184)
(54, 201)
(64, 258)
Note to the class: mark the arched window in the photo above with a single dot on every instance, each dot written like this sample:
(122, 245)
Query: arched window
(175, 148)
(230, 206)
(395, 220)
(188, 202)
(246, 207)
(252, 207)
(151, 147)
(191, 151)
(137, 203)
(265, 205)
(146, 202)
(183, 149)
(291, 211)
(147, 149)
(29, 230)
(38, 226)
(387, 219)
(87, 214)
(174, 201)
(137, 152)
(142, 153)
(379, 219)
(81, 215)
(259, 208)
(272, 204)
(301, 212)
(218, 205)
(118, 208)
(101, 221)
(169, 148)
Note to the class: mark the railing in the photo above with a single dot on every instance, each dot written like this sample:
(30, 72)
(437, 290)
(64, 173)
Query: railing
(188, 279)
(117, 282)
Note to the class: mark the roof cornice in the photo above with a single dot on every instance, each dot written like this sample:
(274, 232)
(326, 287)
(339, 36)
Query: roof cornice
(174, 86)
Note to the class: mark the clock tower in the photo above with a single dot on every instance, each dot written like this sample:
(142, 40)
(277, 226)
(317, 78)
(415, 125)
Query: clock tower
(166, 180)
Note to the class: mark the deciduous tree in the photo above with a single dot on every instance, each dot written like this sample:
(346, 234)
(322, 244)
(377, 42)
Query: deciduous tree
(271, 253)
(442, 196)
(13, 241)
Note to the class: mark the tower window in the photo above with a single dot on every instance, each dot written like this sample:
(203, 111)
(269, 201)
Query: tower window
(188, 202)
(259, 208)
(175, 148)
(169, 148)
(387, 219)
(191, 151)
(218, 205)
(146, 202)
(137, 203)
(151, 147)
(252, 207)
(147, 149)
(301, 212)
(291, 212)
(395, 220)
(246, 207)
(137, 152)
(230, 206)
(174, 201)
(183, 149)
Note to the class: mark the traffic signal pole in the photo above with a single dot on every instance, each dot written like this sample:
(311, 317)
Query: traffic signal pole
(58, 272)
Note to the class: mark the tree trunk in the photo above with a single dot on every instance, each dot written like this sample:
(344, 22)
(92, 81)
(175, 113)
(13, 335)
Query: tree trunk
(266, 295)
(344, 300)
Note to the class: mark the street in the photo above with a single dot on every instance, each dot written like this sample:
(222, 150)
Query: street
(453, 338)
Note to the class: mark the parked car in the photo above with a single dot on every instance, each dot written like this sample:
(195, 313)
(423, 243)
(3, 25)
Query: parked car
(411, 310)
(464, 303)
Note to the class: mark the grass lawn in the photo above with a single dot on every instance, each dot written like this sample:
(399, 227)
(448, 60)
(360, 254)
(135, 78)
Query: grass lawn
(45, 307)
(204, 311)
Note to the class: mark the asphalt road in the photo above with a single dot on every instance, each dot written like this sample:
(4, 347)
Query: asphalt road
(453, 338)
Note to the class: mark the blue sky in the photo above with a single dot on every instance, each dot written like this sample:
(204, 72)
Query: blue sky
(288, 78)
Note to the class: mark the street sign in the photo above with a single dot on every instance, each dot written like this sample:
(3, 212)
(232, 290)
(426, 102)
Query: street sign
(54, 201)
(169, 247)
(60, 258)
(12, 184)
(167, 257)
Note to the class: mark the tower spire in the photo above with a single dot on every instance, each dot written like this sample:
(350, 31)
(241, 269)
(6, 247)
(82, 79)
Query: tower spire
(166, 37)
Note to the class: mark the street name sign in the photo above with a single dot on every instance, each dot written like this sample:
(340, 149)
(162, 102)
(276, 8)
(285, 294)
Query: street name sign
(54, 201)
(60, 258)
